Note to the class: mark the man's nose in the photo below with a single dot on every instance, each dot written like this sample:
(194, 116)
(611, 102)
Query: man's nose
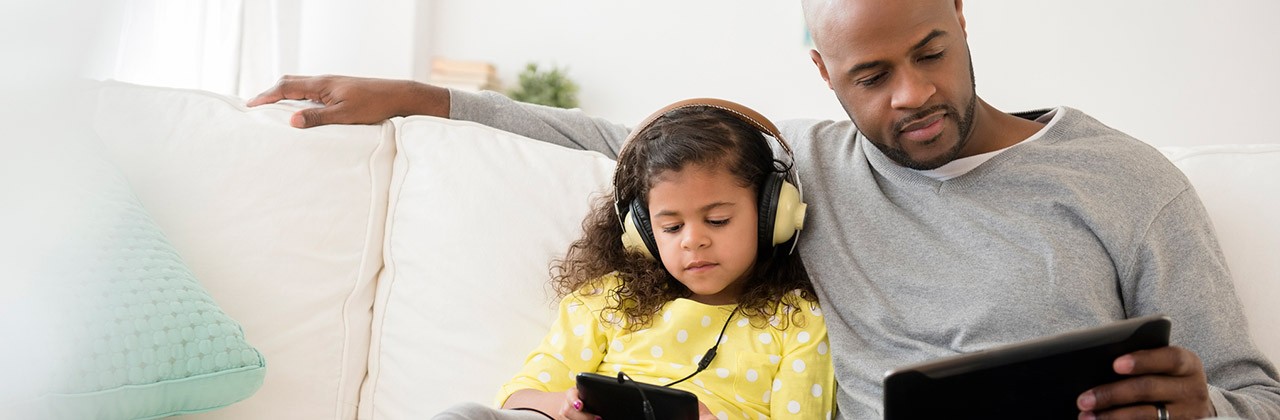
(912, 89)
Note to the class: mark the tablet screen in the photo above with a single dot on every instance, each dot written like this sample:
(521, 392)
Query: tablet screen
(1040, 378)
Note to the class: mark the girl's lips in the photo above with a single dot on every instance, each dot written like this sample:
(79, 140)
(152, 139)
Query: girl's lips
(699, 266)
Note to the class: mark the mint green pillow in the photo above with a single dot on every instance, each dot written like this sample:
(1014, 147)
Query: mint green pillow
(115, 326)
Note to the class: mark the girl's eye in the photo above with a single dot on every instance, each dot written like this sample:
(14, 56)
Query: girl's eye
(720, 222)
(672, 228)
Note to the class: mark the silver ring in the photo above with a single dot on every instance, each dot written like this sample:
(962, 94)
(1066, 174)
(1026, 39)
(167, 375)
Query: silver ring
(1161, 412)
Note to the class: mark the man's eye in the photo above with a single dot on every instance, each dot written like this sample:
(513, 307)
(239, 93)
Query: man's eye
(932, 57)
(872, 81)
(672, 228)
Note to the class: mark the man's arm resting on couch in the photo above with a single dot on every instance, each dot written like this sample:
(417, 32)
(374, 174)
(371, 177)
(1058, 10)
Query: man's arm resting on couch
(355, 100)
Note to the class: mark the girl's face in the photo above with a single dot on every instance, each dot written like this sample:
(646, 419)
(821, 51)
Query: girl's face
(704, 222)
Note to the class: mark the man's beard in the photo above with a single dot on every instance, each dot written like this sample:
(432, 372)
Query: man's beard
(964, 124)
(964, 127)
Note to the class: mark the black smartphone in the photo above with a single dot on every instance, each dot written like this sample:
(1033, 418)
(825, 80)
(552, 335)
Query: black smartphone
(615, 398)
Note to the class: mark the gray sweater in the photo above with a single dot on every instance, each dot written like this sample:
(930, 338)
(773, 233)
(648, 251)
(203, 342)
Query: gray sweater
(1081, 227)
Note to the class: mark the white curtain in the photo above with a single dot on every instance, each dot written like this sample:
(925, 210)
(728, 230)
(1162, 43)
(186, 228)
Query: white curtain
(240, 47)
(233, 47)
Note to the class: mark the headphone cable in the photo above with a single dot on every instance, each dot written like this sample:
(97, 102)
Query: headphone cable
(711, 353)
(648, 408)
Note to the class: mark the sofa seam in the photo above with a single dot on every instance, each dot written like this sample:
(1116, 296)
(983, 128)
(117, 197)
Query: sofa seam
(388, 265)
(343, 381)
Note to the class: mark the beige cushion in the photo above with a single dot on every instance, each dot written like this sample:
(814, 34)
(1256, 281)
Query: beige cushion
(476, 216)
(282, 226)
(1240, 188)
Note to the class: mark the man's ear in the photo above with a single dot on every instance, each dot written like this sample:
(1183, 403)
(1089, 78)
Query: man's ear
(822, 67)
(960, 16)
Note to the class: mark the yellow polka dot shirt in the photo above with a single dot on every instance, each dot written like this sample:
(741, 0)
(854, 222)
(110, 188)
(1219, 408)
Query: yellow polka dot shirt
(758, 373)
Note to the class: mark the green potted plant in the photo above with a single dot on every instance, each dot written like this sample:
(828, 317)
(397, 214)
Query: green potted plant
(550, 87)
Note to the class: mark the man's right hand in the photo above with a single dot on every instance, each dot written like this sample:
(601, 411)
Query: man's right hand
(354, 100)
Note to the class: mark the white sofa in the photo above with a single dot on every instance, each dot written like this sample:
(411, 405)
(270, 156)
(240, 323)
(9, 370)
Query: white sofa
(387, 271)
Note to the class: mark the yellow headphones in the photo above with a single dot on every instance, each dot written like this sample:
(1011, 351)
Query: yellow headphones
(781, 210)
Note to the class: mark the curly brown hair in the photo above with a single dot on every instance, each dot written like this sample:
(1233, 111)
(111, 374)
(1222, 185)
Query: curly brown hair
(699, 135)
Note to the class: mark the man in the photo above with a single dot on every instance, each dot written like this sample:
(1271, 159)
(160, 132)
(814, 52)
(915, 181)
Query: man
(940, 225)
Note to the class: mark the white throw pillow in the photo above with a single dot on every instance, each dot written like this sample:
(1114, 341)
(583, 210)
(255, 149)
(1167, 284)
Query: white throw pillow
(476, 217)
(282, 226)
(1240, 188)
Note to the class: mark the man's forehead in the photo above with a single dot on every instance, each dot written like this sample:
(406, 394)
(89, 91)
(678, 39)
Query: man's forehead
(876, 22)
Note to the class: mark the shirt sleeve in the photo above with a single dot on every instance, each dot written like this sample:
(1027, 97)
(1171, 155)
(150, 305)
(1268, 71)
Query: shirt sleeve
(804, 386)
(570, 128)
(1179, 271)
(575, 343)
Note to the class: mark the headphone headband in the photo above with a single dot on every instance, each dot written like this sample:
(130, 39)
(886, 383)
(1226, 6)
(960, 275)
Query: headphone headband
(742, 112)
(748, 115)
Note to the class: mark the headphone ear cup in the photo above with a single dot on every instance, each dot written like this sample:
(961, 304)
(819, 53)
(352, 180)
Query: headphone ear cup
(781, 212)
(637, 232)
(768, 211)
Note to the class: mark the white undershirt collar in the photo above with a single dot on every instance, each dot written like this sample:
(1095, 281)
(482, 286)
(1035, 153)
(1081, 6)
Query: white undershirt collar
(963, 165)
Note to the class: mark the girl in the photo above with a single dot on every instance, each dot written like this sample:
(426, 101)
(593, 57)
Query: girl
(703, 273)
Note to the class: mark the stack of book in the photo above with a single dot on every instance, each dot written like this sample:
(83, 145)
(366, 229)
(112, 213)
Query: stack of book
(463, 75)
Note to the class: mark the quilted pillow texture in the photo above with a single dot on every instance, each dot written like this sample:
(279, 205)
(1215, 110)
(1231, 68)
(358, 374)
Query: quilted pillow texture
(111, 323)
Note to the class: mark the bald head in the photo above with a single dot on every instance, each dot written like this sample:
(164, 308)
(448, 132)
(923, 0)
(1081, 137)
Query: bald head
(814, 10)
(825, 16)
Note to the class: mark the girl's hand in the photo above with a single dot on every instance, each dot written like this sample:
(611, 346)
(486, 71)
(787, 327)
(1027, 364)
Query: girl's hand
(704, 413)
(572, 408)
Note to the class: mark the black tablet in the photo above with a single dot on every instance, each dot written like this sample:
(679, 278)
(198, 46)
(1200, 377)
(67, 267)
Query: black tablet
(610, 398)
(1040, 378)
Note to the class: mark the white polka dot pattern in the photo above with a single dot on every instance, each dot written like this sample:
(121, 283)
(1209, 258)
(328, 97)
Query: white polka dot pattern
(754, 364)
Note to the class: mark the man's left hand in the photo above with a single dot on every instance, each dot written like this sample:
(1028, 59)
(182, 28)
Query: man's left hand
(1169, 376)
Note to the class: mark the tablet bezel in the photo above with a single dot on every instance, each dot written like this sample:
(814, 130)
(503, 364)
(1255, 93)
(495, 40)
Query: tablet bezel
(1040, 377)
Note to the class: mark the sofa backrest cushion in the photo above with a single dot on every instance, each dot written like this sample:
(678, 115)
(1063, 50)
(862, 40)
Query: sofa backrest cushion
(282, 226)
(1240, 188)
(476, 216)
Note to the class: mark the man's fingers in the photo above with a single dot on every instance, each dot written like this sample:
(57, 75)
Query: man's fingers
(1172, 375)
(1135, 412)
(291, 87)
(1129, 391)
(1186, 391)
(312, 117)
(1172, 361)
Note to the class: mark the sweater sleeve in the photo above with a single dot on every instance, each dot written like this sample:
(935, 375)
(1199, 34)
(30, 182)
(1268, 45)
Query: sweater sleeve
(804, 386)
(574, 344)
(570, 128)
(1178, 270)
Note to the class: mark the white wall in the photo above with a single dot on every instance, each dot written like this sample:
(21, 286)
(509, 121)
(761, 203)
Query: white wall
(631, 58)
(1171, 72)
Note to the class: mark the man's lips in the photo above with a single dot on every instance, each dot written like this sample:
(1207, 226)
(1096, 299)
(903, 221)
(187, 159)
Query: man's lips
(924, 129)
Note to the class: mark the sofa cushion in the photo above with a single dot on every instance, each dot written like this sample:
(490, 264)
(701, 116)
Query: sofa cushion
(476, 216)
(282, 226)
(1240, 188)
(100, 317)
